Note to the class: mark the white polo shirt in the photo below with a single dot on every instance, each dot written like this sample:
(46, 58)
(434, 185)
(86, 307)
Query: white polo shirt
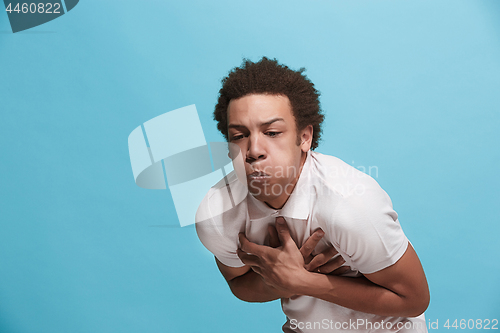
(356, 215)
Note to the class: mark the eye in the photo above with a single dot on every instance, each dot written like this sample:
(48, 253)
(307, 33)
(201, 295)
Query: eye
(272, 134)
(236, 137)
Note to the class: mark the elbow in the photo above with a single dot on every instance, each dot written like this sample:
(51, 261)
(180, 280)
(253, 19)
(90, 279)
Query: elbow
(426, 300)
(247, 299)
(420, 305)
(242, 293)
(237, 292)
(246, 296)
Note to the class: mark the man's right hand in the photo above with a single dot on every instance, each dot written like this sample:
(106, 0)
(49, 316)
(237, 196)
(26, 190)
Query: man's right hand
(249, 286)
(318, 263)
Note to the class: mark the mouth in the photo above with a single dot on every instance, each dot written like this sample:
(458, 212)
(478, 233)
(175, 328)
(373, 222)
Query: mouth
(258, 175)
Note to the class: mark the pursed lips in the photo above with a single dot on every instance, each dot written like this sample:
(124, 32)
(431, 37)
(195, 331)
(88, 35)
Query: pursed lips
(258, 175)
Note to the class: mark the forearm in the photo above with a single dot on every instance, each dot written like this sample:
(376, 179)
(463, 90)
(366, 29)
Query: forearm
(358, 294)
(250, 287)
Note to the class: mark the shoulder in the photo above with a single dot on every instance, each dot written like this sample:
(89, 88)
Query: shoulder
(338, 176)
(358, 216)
(221, 215)
(344, 191)
(228, 196)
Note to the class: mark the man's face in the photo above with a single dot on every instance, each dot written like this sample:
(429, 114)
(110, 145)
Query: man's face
(263, 127)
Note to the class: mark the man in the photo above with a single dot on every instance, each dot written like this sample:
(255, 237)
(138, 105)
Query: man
(305, 215)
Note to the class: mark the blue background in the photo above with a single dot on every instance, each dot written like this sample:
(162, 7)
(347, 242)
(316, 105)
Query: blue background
(411, 87)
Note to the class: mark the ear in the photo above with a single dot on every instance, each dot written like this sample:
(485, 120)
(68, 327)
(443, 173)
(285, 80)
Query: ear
(306, 136)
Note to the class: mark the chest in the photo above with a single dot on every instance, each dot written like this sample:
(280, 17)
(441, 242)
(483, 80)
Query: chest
(300, 230)
(257, 231)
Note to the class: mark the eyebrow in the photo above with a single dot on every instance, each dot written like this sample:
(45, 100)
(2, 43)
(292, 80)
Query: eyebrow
(260, 125)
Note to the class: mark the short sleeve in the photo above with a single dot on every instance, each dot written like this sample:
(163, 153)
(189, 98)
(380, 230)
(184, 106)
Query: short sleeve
(367, 230)
(210, 232)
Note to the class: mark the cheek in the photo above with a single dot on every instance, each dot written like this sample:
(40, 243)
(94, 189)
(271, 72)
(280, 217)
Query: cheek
(284, 170)
(285, 149)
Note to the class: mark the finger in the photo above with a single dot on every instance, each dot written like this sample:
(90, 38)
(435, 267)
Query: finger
(308, 259)
(311, 243)
(321, 259)
(283, 231)
(341, 270)
(248, 246)
(248, 259)
(257, 270)
(331, 265)
(274, 240)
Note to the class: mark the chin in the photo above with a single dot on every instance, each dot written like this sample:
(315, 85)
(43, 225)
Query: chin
(263, 198)
(258, 192)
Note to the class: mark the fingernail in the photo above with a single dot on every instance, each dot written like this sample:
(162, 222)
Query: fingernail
(280, 220)
(319, 233)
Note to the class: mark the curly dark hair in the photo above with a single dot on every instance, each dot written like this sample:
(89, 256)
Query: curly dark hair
(267, 76)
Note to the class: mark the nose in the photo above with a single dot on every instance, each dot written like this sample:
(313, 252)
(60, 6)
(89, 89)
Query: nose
(256, 149)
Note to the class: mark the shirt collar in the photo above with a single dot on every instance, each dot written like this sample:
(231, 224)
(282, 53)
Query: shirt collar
(297, 205)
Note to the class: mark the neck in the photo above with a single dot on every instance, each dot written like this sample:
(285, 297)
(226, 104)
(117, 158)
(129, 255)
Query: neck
(280, 201)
